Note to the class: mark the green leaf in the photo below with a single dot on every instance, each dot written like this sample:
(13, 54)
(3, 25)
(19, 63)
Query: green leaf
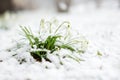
(67, 47)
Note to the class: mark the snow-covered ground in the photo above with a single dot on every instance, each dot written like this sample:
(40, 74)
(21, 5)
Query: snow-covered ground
(101, 27)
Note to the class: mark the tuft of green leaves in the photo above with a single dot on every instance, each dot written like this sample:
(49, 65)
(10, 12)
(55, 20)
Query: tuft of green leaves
(53, 40)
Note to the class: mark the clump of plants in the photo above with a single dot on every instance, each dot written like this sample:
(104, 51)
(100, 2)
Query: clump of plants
(52, 37)
(5, 21)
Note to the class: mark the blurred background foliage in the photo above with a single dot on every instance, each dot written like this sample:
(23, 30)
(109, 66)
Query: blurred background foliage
(58, 5)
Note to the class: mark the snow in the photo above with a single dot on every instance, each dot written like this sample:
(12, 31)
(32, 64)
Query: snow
(101, 27)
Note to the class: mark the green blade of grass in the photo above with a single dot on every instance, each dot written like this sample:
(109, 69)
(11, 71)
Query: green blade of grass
(67, 47)
(27, 34)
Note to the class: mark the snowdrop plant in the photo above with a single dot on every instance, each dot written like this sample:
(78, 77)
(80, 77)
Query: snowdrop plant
(52, 37)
